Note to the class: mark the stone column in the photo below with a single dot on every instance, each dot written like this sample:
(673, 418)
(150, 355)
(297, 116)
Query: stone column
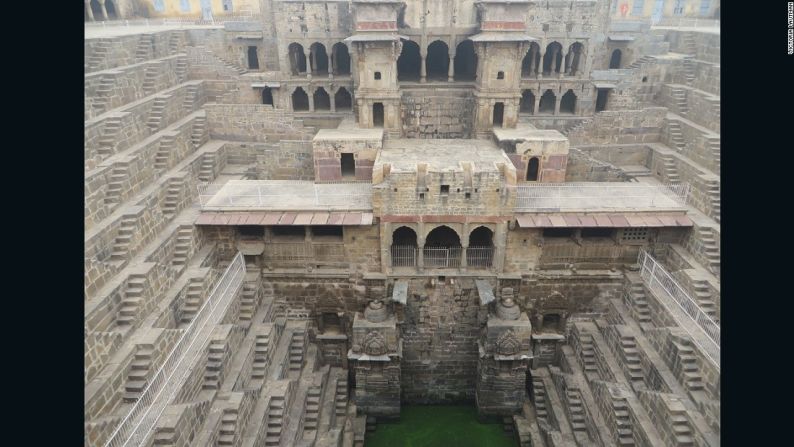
(500, 240)
(540, 64)
(310, 95)
(557, 100)
(330, 67)
(89, 10)
(451, 70)
(104, 11)
(332, 97)
(464, 242)
(423, 69)
(536, 110)
(307, 55)
(531, 60)
(388, 241)
(420, 242)
(562, 62)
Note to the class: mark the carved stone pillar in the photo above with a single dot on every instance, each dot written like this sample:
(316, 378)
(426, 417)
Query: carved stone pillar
(451, 70)
(104, 11)
(89, 10)
(423, 70)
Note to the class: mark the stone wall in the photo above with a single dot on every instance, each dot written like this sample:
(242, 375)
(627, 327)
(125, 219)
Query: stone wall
(621, 127)
(98, 347)
(584, 167)
(285, 160)
(253, 122)
(437, 113)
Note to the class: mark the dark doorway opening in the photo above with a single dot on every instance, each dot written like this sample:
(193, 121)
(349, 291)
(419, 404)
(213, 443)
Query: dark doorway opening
(321, 100)
(253, 59)
(300, 100)
(601, 99)
(614, 61)
(348, 165)
(409, 62)
(342, 99)
(533, 168)
(498, 114)
(111, 9)
(267, 96)
(341, 59)
(568, 102)
(437, 61)
(297, 59)
(527, 103)
(465, 61)
(377, 114)
(547, 102)
(318, 59)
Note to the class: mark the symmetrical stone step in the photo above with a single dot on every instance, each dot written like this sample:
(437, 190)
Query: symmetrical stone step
(637, 302)
(190, 98)
(215, 357)
(682, 430)
(149, 80)
(98, 56)
(131, 303)
(228, 429)
(670, 169)
(679, 97)
(164, 151)
(110, 132)
(341, 398)
(194, 298)
(692, 378)
(631, 360)
(576, 412)
(184, 240)
(199, 135)
(713, 192)
(157, 112)
(710, 248)
(261, 354)
(173, 197)
(138, 375)
(145, 48)
(539, 399)
(297, 349)
(311, 414)
(118, 177)
(248, 301)
(676, 136)
(121, 245)
(704, 299)
(275, 420)
(207, 170)
(638, 63)
(103, 93)
(625, 434)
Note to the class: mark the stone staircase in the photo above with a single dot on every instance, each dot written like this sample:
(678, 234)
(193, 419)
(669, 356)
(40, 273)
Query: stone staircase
(689, 71)
(637, 302)
(98, 56)
(199, 135)
(297, 349)
(676, 136)
(261, 348)
(232, 66)
(138, 375)
(539, 399)
(164, 152)
(639, 62)
(145, 48)
(682, 430)
(248, 301)
(714, 150)
(704, 298)
(687, 359)
(156, 114)
(190, 98)
(631, 360)
(275, 419)
(624, 433)
(194, 297)
(713, 192)
(679, 98)
(207, 170)
(116, 184)
(103, 93)
(121, 245)
(669, 169)
(567, 130)
(149, 80)
(587, 355)
(181, 69)
(110, 132)
(710, 249)
(131, 303)
(576, 411)
(184, 240)
(173, 196)
(341, 398)
(175, 41)
(311, 415)
(688, 44)
(212, 373)
(228, 429)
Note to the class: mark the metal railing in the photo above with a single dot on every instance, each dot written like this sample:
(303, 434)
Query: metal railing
(602, 195)
(403, 255)
(302, 251)
(479, 256)
(673, 296)
(139, 423)
(442, 257)
(252, 193)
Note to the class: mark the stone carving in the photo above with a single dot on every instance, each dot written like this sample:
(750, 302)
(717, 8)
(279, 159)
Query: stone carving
(376, 312)
(374, 344)
(508, 344)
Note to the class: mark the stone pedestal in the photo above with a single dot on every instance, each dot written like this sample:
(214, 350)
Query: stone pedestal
(375, 358)
(504, 353)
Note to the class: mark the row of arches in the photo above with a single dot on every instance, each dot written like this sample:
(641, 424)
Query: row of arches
(341, 100)
(100, 10)
(553, 60)
(438, 64)
(547, 104)
(316, 61)
(442, 248)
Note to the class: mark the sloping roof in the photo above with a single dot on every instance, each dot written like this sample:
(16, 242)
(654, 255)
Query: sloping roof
(283, 218)
(603, 220)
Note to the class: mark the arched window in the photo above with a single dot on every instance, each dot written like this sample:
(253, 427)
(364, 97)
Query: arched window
(343, 100)
(96, 9)
(318, 59)
(403, 247)
(498, 114)
(547, 102)
(377, 114)
(111, 9)
(437, 63)
(529, 65)
(533, 167)
(568, 102)
(573, 59)
(297, 59)
(465, 61)
(527, 102)
(253, 59)
(552, 60)
(480, 250)
(340, 59)
(267, 96)
(300, 100)
(442, 248)
(409, 62)
(614, 61)
(321, 99)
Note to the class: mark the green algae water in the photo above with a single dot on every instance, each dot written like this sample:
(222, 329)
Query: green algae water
(439, 426)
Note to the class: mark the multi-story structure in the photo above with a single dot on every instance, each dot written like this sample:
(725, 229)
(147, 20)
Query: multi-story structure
(301, 221)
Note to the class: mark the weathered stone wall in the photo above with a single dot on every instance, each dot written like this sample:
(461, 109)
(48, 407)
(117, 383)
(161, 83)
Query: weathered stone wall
(437, 113)
(583, 167)
(253, 122)
(285, 160)
(621, 127)
(98, 347)
(440, 335)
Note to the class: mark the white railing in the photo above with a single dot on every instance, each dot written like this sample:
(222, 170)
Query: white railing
(442, 257)
(139, 423)
(673, 296)
(302, 251)
(403, 256)
(253, 193)
(479, 256)
(602, 195)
